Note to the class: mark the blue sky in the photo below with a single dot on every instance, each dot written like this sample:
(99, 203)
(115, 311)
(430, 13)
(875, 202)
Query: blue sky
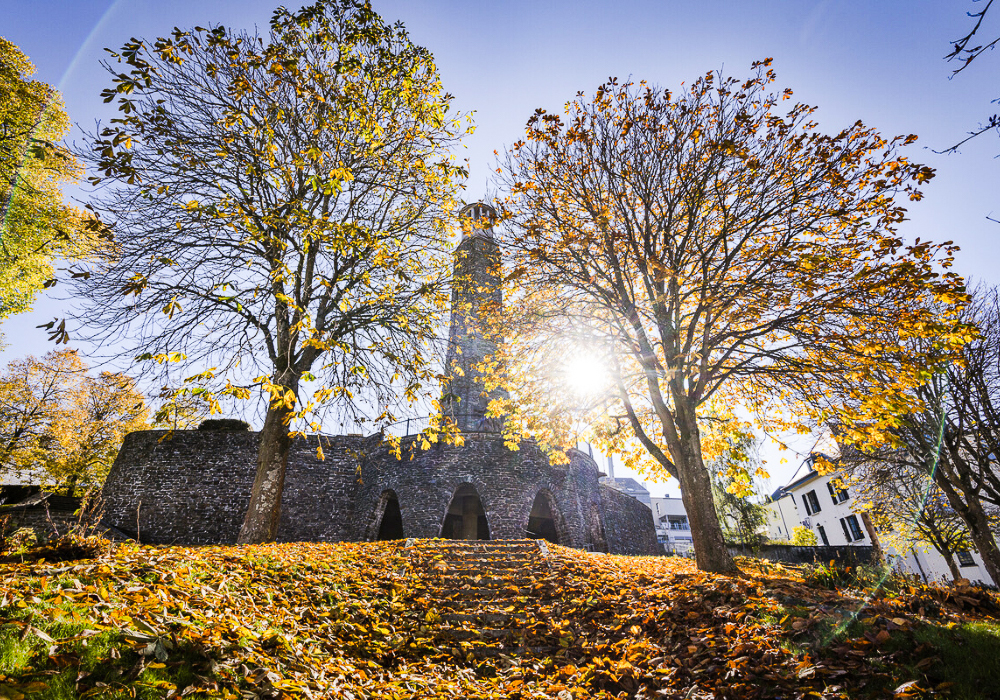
(879, 62)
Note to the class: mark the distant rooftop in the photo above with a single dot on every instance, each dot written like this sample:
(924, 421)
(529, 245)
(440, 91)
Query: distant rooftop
(628, 486)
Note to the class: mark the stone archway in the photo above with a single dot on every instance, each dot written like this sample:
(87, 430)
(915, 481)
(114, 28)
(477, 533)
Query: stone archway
(388, 521)
(465, 518)
(544, 521)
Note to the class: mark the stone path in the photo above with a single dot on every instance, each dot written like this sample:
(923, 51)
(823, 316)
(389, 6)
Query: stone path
(480, 589)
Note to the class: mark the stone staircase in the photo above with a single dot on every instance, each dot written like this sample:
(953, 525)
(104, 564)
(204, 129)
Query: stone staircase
(477, 592)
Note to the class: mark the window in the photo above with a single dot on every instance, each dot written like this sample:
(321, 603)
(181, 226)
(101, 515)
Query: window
(811, 502)
(852, 530)
(965, 558)
(679, 524)
(822, 535)
(838, 495)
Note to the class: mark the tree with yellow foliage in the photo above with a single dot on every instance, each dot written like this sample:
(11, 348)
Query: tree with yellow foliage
(35, 225)
(282, 207)
(711, 249)
(948, 436)
(63, 426)
(910, 511)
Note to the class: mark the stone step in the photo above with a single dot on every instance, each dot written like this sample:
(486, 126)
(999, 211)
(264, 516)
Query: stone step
(482, 551)
(483, 618)
(453, 580)
(473, 564)
(458, 634)
(495, 546)
(475, 601)
(491, 652)
(451, 589)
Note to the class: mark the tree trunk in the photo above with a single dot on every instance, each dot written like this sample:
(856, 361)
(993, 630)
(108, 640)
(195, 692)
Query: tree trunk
(878, 554)
(970, 509)
(952, 566)
(711, 553)
(920, 568)
(264, 511)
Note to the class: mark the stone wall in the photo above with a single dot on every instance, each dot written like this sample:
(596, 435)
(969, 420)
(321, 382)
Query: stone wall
(194, 487)
(628, 524)
(45, 522)
(506, 481)
(843, 555)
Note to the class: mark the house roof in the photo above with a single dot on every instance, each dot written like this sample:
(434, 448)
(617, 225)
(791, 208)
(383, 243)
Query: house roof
(40, 500)
(626, 485)
(804, 474)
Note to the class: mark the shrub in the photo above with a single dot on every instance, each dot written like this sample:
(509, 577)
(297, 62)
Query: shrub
(804, 537)
(19, 541)
(224, 424)
(871, 578)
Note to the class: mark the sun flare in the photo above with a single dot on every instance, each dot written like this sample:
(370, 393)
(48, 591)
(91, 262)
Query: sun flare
(586, 375)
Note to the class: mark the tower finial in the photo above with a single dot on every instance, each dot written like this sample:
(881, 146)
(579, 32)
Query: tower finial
(478, 219)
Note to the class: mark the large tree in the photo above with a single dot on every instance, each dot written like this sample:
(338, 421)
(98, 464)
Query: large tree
(711, 250)
(281, 207)
(35, 225)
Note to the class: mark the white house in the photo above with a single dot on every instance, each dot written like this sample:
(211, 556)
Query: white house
(672, 528)
(816, 501)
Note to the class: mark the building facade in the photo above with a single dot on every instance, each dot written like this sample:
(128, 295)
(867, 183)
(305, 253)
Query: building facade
(673, 531)
(818, 502)
(822, 503)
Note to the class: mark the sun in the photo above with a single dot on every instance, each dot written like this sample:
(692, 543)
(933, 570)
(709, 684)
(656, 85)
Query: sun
(586, 375)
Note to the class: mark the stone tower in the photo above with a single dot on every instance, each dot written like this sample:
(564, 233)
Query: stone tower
(475, 295)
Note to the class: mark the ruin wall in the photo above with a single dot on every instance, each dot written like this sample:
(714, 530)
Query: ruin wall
(193, 487)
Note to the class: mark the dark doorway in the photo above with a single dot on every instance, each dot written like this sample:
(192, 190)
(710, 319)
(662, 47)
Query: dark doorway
(466, 518)
(542, 522)
(391, 527)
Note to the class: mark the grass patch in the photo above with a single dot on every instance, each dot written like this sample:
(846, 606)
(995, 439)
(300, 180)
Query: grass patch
(45, 655)
(969, 658)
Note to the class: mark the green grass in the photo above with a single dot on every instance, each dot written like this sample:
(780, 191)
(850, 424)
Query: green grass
(970, 658)
(105, 662)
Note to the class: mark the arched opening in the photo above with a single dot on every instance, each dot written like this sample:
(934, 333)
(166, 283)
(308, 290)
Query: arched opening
(466, 518)
(390, 525)
(542, 521)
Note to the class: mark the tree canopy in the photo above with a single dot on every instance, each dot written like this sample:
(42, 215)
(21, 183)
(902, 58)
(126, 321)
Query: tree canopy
(62, 426)
(35, 224)
(713, 250)
(282, 206)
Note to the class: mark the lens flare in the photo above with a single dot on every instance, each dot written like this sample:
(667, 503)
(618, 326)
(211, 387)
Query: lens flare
(586, 375)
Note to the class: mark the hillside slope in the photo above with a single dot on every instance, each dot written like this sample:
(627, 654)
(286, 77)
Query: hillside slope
(476, 620)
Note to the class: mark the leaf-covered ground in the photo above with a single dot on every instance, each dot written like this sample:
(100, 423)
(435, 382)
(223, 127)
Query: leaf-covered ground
(439, 619)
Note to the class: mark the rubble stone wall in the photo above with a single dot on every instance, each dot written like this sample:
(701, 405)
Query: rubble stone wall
(193, 487)
(628, 524)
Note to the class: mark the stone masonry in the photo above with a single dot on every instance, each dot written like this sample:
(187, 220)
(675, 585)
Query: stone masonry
(193, 487)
